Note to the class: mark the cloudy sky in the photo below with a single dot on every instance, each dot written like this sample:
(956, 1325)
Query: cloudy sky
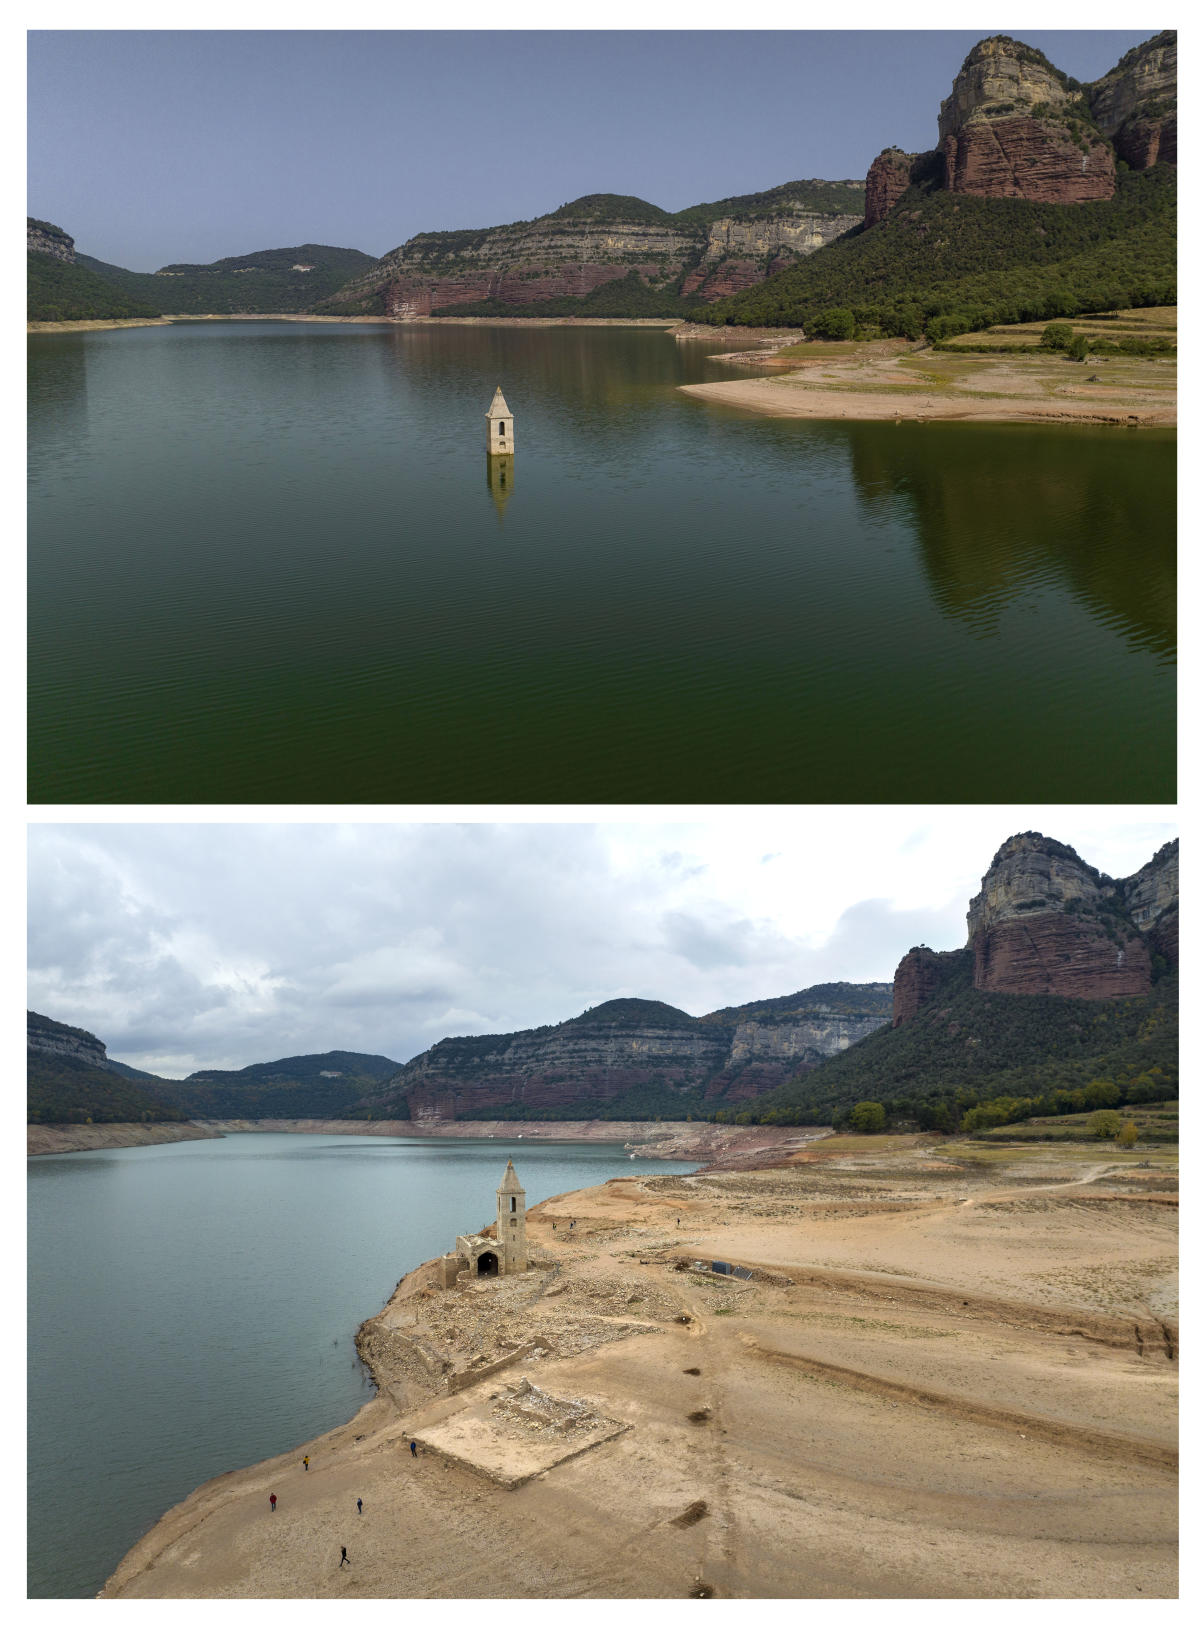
(152, 145)
(188, 946)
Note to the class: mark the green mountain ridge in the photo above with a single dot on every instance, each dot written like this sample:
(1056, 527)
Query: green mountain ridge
(264, 281)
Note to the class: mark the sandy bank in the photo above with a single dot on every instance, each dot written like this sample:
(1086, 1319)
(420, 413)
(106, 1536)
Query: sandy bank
(97, 323)
(664, 1141)
(896, 381)
(53, 1140)
(952, 1376)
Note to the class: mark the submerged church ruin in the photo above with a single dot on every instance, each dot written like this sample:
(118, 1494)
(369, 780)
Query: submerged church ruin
(506, 1254)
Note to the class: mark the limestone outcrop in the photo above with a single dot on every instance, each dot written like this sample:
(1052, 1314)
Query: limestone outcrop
(44, 239)
(46, 1036)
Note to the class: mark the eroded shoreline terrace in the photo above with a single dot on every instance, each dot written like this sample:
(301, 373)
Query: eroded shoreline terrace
(950, 1373)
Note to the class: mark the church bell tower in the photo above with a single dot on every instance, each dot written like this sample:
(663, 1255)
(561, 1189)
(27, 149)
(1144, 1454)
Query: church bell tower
(500, 426)
(510, 1224)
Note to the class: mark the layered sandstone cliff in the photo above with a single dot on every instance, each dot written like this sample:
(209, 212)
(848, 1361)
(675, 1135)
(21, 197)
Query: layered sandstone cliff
(46, 1036)
(1015, 126)
(1045, 922)
(1135, 104)
(919, 974)
(626, 1047)
(580, 248)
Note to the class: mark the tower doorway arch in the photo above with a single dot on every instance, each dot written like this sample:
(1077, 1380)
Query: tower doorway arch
(487, 1264)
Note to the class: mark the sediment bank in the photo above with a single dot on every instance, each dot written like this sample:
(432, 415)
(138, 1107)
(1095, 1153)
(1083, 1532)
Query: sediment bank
(56, 1139)
(662, 1141)
(892, 380)
(937, 1383)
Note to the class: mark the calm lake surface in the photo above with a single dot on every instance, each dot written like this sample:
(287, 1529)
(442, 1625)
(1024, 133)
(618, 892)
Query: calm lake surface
(192, 1308)
(266, 564)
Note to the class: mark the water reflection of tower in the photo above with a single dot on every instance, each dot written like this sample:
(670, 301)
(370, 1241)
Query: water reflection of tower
(500, 478)
(501, 444)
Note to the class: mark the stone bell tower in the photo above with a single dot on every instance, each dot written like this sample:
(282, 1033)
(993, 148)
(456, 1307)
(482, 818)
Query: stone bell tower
(500, 426)
(510, 1224)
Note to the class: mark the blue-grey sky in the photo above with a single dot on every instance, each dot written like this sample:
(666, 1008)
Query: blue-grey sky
(152, 147)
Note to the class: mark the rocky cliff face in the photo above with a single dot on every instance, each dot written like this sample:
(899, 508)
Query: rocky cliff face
(887, 178)
(1047, 923)
(1015, 126)
(44, 239)
(918, 976)
(45, 1036)
(1152, 899)
(1135, 104)
(620, 1048)
(737, 254)
(573, 251)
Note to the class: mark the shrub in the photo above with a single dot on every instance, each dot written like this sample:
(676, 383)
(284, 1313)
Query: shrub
(1104, 1124)
(1057, 336)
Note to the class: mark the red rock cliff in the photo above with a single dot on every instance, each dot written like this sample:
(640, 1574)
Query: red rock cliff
(1014, 126)
(1044, 921)
(918, 976)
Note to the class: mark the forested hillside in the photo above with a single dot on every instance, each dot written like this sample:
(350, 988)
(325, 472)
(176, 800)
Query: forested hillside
(965, 1048)
(270, 280)
(946, 263)
(60, 291)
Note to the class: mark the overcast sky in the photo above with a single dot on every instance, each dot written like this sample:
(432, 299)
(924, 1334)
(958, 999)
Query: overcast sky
(154, 146)
(186, 946)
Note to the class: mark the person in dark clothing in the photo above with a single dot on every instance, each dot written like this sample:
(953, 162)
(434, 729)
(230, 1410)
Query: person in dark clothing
(412, 1445)
(272, 1501)
(344, 1559)
(360, 1504)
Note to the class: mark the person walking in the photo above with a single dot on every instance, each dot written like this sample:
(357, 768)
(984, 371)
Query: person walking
(272, 1501)
(344, 1558)
(412, 1445)
(360, 1507)
(306, 1464)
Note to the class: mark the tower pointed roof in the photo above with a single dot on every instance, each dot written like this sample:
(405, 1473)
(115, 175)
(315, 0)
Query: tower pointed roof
(499, 408)
(510, 1181)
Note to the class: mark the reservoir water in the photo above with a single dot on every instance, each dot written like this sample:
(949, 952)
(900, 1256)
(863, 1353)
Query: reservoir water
(192, 1308)
(266, 563)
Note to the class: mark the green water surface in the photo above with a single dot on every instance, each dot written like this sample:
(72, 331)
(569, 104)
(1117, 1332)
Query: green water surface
(266, 563)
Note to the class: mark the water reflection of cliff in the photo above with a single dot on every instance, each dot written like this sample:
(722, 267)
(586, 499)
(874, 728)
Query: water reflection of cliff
(57, 399)
(1002, 510)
